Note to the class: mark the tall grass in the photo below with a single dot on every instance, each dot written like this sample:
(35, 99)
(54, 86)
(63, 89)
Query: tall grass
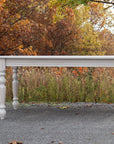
(48, 85)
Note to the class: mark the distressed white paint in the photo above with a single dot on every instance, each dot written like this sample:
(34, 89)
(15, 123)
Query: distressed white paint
(61, 61)
(15, 88)
(2, 89)
(47, 61)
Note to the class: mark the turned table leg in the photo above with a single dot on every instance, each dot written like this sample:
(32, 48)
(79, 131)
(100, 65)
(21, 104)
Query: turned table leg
(2, 89)
(15, 88)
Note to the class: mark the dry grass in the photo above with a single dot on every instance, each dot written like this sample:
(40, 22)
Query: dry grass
(51, 85)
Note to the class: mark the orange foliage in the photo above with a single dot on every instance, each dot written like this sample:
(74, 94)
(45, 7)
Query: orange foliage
(1, 4)
(29, 24)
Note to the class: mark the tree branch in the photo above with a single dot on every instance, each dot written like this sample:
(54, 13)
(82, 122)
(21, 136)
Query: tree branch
(105, 2)
(23, 16)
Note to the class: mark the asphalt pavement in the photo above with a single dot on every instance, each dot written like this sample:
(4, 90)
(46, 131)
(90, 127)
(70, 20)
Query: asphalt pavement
(77, 123)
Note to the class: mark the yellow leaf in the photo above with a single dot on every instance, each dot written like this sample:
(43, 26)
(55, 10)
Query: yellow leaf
(64, 107)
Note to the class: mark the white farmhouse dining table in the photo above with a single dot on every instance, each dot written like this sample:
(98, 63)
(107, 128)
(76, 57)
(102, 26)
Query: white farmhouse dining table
(43, 61)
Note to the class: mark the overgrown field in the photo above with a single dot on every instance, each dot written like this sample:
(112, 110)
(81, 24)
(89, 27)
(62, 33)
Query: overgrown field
(63, 84)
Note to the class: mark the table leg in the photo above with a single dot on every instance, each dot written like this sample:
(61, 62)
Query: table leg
(15, 88)
(2, 89)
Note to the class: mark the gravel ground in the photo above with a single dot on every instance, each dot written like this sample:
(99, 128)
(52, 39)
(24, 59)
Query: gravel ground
(66, 123)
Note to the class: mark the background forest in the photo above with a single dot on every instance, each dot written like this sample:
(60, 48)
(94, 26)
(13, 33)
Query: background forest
(59, 27)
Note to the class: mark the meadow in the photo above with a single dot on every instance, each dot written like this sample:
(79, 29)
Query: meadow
(63, 85)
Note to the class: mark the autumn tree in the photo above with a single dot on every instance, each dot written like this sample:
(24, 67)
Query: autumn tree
(73, 3)
(37, 27)
(15, 28)
(31, 25)
(107, 41)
